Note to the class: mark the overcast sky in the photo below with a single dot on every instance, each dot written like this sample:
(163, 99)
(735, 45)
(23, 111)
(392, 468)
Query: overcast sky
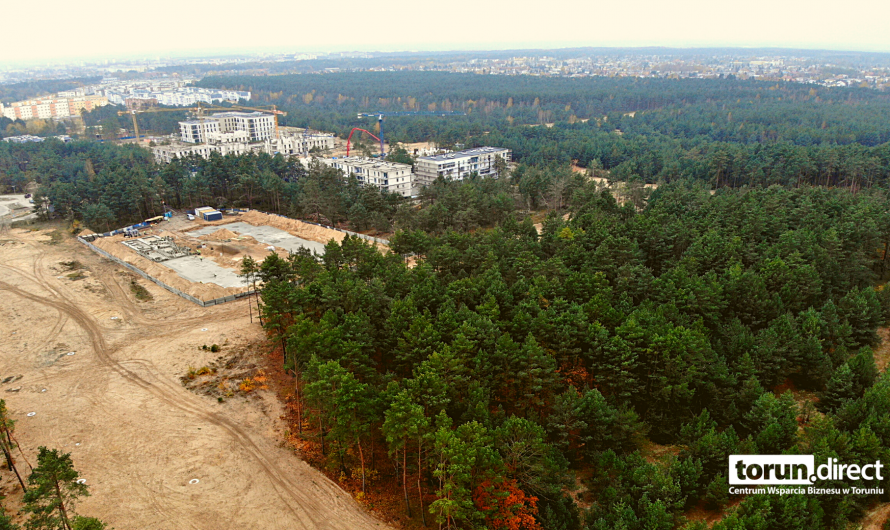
(53, 29)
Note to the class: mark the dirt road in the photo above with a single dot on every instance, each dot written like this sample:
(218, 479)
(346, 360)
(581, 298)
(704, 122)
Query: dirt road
(100, 371)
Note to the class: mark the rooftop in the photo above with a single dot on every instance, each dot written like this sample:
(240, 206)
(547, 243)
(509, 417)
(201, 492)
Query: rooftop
(235, 114)
(370, 163)
(462, 154)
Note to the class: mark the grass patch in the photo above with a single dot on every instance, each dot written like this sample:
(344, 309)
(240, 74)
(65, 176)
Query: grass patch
(140, 292)
(55, 237)
(74, 276)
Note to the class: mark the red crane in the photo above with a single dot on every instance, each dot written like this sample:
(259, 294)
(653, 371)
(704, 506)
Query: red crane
(382, 153)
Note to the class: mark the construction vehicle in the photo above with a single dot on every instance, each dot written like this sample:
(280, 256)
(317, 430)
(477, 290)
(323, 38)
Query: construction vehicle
(380, 139)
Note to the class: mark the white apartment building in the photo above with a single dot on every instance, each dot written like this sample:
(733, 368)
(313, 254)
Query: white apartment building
(166, 153)
(460, 165)
(389, 176)
(235, 143)
(258, 127)
(197, 131)
(300, 145)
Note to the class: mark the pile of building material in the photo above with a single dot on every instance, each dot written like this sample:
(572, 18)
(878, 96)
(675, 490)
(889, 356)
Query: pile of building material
(157, 248)
(223, 234)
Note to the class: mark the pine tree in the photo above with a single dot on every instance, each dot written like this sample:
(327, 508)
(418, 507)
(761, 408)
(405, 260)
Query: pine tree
(838, 390)
(54, 491)
(7, 426)
(403, 425)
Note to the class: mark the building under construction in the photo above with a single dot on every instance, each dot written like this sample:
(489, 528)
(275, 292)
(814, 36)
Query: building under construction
(157, 248)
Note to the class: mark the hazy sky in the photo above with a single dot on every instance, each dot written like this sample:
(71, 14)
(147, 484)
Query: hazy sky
(53, 29)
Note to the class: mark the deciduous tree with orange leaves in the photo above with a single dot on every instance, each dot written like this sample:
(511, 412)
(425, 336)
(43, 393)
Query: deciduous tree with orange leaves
(506, 506)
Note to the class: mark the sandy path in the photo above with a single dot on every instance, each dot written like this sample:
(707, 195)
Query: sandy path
(134, 432)
(882, 350)
(874, 519)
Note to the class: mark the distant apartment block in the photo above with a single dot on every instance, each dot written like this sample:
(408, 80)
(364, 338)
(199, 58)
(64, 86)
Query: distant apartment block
(171, 92)
(189, 96)
(225, 126)
(23, 139)
(389, 176)
(27, 138)
(459, 165)
(51, 107)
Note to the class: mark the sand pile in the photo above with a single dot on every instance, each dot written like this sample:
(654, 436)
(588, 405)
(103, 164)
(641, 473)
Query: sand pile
(202, 291)
(222, 234)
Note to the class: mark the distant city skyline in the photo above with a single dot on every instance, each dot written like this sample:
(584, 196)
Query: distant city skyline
(101, 29)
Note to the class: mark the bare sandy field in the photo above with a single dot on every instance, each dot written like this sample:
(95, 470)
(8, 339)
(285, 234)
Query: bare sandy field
(154, 454)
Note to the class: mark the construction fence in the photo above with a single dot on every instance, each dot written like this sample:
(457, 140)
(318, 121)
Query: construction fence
(190, 298)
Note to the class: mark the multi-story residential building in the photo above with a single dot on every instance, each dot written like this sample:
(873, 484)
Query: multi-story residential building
(237, 143)
(389, 176)
(166, 153)
(460, 165)
(198, 131)
(258, 126)
(51, 107)
(300, 144)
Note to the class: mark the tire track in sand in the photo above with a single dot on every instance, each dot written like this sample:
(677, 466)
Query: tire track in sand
(309, 512)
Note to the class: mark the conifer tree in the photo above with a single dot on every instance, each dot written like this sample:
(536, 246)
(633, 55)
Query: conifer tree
(54, 491)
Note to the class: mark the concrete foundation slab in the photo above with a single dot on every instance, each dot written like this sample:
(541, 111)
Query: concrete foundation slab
(266, 234)
(196, 269)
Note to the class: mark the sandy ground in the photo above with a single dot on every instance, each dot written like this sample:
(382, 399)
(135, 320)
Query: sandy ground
(135, 433)
(882, 350)
(874, 519)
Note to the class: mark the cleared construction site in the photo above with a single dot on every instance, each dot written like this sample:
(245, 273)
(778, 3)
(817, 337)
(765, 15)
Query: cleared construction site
(201, 260)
